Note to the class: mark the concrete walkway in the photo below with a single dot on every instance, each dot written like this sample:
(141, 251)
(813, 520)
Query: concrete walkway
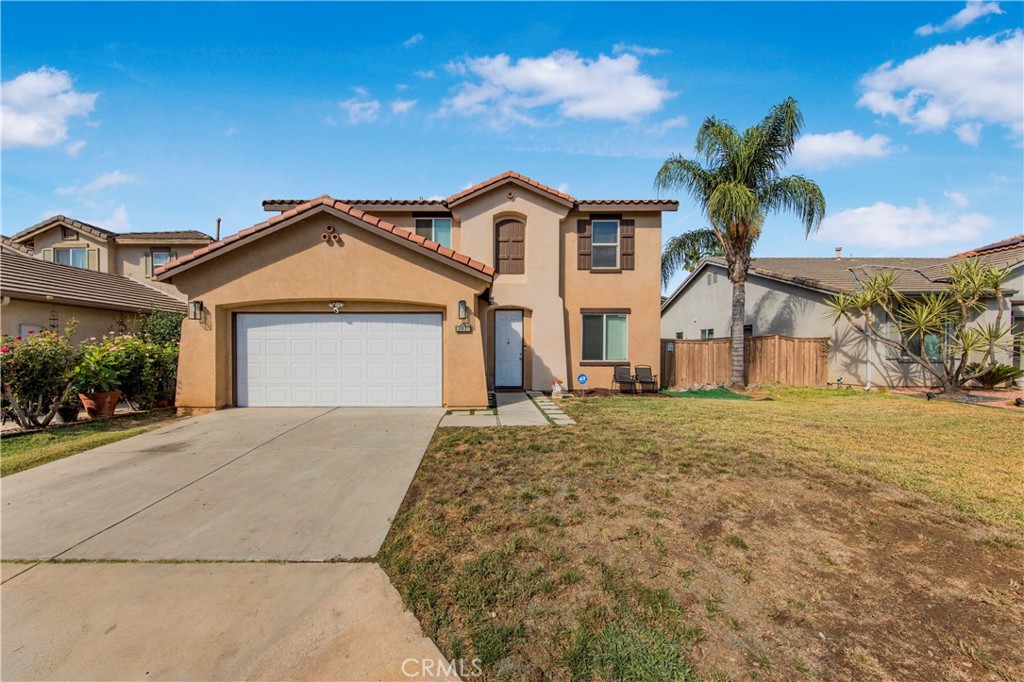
(514, 409)
(239, 487)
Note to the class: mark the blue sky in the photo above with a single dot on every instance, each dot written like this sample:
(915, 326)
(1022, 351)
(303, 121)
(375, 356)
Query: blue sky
(168, 115)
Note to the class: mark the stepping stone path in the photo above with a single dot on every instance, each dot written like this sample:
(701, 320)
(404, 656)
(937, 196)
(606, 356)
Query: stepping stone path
(550, 410)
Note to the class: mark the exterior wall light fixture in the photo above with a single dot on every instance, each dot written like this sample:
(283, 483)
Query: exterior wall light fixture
(336, 306)
(195, 310)
(462, 310)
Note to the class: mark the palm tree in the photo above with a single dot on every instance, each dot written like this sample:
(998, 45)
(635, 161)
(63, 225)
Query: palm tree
(737, 182)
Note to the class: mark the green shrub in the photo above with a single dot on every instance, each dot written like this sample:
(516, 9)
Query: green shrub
(162, 328)
(38, 374)
(995, 375)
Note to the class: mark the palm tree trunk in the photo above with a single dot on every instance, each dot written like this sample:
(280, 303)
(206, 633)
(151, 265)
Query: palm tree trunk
(737, 377)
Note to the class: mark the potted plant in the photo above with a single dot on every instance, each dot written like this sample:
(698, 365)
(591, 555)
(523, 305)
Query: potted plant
(67, 413)
(96, 379)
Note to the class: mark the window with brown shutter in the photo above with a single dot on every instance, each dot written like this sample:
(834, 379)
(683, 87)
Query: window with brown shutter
(510, 246)
(627, 231)
(583, 244)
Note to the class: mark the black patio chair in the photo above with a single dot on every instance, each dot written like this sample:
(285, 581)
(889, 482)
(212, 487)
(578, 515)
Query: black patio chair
(623, 378)
(647, 381)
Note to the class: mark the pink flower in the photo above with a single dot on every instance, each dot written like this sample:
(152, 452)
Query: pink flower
(5, 349)
(31, 331)
(17, 338)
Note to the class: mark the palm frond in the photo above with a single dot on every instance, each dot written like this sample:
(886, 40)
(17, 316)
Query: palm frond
(687, 250)
(798, 195)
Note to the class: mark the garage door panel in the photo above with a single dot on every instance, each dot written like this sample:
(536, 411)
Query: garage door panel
(349, 359)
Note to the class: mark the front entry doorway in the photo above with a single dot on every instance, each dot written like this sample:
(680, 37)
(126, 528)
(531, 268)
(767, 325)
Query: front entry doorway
(508, 348)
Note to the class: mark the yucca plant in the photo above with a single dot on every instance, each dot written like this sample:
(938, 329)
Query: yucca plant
(946, 316)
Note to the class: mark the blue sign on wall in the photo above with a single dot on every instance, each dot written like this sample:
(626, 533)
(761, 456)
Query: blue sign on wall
(581, 379)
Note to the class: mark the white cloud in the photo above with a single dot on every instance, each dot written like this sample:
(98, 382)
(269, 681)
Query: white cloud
(118, 220)
(425, 74)
(667, 125)
(969, 133)
(606, 88)
(886, 226)
(977, 82)
(563, 187)
(361, 91)
(105, 181)
(360, 110)
(413, 39)
(74, 148)
(973, 11)
(958, 198)
(36, 107)
(401, 87)
(830, 149)
(400, 106)
(624, 48)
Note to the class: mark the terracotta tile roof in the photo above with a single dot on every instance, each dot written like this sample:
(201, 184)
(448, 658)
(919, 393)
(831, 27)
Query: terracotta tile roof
(508, 175)
(597, 204)
(1001, 245)
(62, 220)
(411, 239)
(38, 280)
(385, 204)
(165, 236)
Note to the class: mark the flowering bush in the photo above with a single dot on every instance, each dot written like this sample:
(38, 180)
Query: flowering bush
(97, 370)
(37, 375)
(140, 368)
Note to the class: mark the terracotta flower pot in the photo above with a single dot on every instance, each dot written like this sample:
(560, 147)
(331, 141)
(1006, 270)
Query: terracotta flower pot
(99, 405)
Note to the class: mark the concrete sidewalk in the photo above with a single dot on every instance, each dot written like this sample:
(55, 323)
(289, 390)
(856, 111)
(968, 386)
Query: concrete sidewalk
(514, 409)
(249, 621)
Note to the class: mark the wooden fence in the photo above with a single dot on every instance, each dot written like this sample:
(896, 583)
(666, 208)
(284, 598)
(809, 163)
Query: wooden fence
(769, 359)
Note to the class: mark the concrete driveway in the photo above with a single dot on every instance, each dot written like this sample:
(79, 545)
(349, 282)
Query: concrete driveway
(244, 488)
(300, 484)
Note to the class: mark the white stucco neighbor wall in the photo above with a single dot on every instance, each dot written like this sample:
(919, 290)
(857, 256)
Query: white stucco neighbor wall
(774, 307)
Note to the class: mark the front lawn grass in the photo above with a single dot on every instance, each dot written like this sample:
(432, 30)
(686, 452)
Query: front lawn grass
(19, 453)
(659, 539)
(719, 393)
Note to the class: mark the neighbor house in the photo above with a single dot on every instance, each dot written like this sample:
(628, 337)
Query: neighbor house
(67, 241)
(509, 284)
(41, 296)
(788, 296)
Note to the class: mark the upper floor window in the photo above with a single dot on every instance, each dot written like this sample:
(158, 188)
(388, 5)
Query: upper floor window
(510, 246)
(68, 234)
(436, 230)
(157, 258)
(75, 257)
(706, 334)
(605, 244)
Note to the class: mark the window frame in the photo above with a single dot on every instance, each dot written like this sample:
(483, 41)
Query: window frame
(69, 249)
(152, 257)
(594, 244)
(68, 234)
(433, 228)
(603, 360)
(707, 334)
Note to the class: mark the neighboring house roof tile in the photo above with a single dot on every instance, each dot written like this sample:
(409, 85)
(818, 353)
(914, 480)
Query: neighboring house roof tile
(1001, 245)
(410, 239)
(164, 236)
(7, 243)
(29, 232)
(30, 278)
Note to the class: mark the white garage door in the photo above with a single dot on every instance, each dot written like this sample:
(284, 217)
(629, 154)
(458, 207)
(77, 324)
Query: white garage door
(349, 359)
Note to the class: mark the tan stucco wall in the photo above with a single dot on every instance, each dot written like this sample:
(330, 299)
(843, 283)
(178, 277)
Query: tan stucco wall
(91, 321)
(54, 238)
(637, 289)
(131, 262)
(294, 270)
(539, 289)
(779, 308)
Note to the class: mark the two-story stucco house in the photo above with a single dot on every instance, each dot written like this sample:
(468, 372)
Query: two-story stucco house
(508, 284)
(67, 241)
(63, 270)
